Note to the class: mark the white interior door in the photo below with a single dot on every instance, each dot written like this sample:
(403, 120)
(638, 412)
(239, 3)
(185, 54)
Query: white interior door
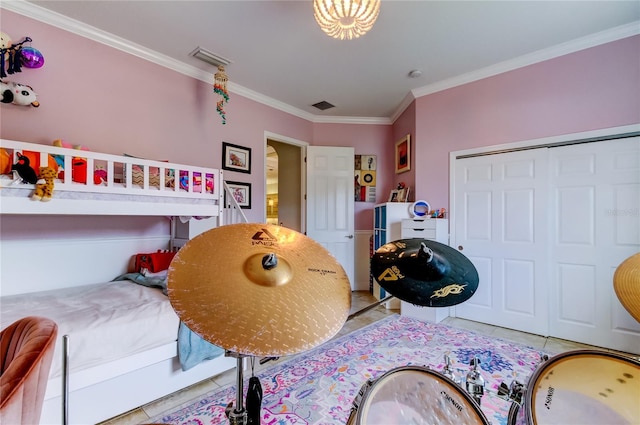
(595, 200)
(331, 202)
(500, 214)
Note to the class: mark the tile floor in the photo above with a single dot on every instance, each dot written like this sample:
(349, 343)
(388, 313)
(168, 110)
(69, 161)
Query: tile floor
(360, 300)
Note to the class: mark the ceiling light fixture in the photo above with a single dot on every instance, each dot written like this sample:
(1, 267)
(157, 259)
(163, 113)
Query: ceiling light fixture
(346, 19)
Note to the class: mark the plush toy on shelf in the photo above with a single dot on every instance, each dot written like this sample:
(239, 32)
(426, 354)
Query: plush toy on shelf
(25, 172)
(44, 186)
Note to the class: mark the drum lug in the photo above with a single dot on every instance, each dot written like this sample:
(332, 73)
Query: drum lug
(448, 371)
(475, 382)
(513, 393)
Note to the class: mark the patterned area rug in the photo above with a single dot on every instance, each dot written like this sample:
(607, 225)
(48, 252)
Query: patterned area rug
(319, 386)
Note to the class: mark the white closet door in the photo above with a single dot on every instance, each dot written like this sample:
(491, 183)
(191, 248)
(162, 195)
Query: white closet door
(500, 215)
(595, 204)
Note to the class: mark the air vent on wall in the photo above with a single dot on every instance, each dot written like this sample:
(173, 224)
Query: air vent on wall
(209, 57)
(323, 106)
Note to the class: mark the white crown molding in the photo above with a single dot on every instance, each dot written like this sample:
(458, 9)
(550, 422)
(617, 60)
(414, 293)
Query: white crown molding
(79, 28)
(572, 46)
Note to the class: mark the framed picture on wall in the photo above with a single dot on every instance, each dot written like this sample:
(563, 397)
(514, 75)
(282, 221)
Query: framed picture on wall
(236, 158)
(241, 193)
(403, 154)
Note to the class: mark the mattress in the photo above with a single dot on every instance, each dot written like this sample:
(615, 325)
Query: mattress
(105, 322)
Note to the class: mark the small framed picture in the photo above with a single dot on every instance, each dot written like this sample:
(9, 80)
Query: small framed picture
(403, 154)
(236, 158)
(393, 196)
(241, 193)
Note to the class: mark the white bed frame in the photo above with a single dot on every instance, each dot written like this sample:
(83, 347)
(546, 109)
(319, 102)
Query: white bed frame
(104, 391)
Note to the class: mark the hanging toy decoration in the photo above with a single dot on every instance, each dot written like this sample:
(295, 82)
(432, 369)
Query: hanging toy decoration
(5, 46)
(14, 56)
(220, 87)
(31, 57)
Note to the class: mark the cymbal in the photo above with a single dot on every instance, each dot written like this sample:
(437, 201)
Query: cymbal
(259, 289)
(424, 272)
(626, 283)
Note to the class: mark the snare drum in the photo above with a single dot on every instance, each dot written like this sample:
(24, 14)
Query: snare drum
(582, 387)
(414, 395)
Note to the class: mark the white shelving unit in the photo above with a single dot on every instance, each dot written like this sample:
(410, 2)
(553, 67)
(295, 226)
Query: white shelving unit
(436, 229)
(387, 227)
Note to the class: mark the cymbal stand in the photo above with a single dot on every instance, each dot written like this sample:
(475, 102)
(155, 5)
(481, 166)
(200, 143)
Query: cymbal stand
(369, 307)
(237, 415)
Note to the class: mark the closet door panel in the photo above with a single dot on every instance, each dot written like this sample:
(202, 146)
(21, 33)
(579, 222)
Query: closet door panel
(596, 206)
(500, 220)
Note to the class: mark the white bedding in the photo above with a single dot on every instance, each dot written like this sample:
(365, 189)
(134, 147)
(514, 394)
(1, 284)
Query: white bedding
(105, 322)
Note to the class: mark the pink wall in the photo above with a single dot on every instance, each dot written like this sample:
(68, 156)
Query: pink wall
(592, 89)
(366, 140)
(113, 102)
(405, 124)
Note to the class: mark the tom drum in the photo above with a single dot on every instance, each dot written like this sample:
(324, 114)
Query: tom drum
(414, 395)
(582, 387)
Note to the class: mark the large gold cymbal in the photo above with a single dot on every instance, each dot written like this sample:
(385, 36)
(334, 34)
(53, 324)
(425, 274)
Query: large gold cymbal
(224, 285)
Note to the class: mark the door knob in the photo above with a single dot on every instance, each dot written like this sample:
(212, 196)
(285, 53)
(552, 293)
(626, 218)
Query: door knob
(349, 236)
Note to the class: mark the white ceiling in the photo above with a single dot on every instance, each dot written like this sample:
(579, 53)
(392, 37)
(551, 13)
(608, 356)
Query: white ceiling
(280, 55)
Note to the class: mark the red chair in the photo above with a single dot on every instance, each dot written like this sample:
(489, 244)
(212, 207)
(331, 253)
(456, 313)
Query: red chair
(26, 351)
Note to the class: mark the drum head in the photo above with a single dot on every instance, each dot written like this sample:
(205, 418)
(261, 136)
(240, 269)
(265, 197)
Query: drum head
(585, 387)
(416, 395)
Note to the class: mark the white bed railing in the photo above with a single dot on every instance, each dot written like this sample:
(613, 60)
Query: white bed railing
(89, 176)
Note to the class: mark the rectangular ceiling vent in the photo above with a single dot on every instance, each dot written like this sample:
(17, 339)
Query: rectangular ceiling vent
(323, 106)
(209, 57)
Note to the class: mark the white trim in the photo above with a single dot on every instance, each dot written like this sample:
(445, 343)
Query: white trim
(562, 49)
(53, 18)
(548, 140)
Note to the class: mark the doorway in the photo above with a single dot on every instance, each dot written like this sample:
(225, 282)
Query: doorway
(284, 204)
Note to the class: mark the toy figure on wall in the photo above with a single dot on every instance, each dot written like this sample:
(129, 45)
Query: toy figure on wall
(18, 94)
(14, 56)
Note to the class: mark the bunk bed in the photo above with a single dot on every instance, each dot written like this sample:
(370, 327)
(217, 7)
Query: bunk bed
(122, 336)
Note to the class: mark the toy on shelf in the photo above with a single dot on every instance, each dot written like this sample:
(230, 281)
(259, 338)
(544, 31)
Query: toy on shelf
(44, 186)
(24, 170)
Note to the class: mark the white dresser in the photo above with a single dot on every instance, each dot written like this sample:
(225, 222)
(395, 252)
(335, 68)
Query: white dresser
(436, 229)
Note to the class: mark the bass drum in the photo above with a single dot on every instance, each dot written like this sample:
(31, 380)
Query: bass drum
(581, 387)
(414, 395)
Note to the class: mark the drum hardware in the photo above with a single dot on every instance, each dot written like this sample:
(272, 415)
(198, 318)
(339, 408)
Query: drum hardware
(511, 393)
(474, 381)
(254, 398)
(369, 307)
(448, 371)
(267, 359)
(237, 415)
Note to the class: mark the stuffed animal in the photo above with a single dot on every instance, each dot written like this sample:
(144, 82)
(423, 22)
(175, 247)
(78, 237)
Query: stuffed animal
(24, 170)
(18, 94)
(44, 187)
